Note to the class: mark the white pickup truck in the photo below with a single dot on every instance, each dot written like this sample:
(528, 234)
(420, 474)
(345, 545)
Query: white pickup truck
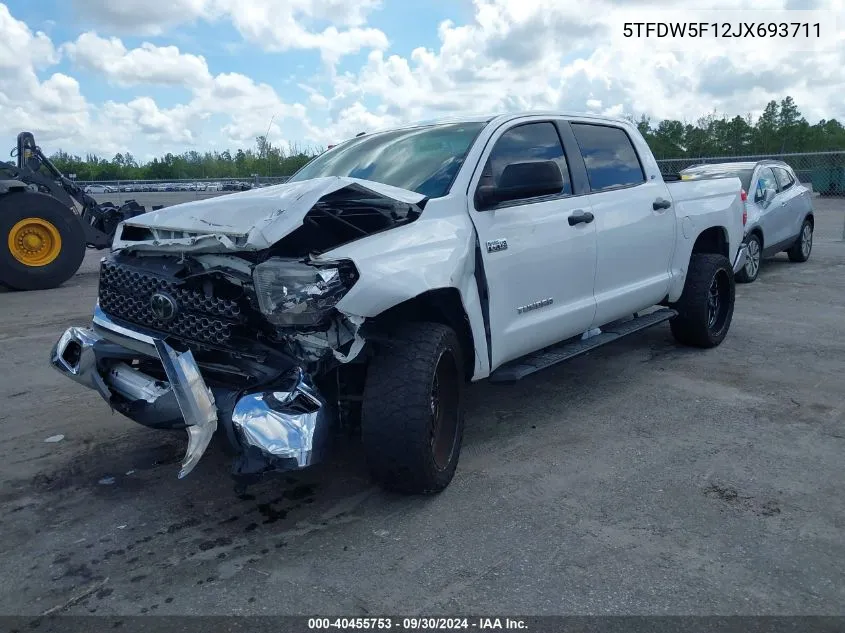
(390, 271)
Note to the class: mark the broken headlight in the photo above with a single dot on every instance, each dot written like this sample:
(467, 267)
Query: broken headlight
(293, 294)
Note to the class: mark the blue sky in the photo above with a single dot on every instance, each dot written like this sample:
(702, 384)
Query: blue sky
(147, 77)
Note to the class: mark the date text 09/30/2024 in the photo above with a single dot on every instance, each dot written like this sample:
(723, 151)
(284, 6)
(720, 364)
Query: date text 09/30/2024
(418, 624)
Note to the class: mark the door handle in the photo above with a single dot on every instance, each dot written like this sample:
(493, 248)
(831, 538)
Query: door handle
(580, 217)
(660, 203)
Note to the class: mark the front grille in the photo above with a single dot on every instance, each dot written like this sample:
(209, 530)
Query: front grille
(126, 293)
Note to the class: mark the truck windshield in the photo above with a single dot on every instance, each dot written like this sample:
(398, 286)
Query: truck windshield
(422, 159)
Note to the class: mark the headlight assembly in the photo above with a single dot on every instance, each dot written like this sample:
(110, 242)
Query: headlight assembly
(293, 294)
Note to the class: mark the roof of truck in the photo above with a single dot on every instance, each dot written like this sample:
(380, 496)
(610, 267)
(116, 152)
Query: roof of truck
(502, 117)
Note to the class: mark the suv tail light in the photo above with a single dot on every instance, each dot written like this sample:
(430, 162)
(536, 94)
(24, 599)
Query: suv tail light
(744, 197)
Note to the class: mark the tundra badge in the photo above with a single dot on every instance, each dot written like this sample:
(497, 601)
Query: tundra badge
(494, 246)
(535, 306)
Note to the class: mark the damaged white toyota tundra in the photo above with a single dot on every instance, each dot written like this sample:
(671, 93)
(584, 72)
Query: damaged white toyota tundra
(367, 291)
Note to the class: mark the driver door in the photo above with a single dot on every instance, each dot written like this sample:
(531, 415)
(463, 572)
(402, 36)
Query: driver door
(539, 252)
(765, 191)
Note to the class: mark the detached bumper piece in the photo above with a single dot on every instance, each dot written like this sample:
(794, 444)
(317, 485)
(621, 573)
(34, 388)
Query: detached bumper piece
(741, 255)
(282, 428)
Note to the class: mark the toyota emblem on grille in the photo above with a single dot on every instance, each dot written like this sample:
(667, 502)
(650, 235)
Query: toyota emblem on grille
(163, 306)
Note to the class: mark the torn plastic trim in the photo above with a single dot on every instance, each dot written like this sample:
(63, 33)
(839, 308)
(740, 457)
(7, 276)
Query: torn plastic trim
(194, 398)
(290, 423)
(340, 342)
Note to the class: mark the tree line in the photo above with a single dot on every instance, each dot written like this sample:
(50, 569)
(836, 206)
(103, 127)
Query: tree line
(264, 159)
(779, 129)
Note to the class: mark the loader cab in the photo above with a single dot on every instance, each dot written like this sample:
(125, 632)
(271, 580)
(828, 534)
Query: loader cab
(26, 155)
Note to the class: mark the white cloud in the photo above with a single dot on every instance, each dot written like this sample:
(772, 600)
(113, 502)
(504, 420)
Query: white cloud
(511, 55)
(249, 105)
(142, 116)
(54, 107)
(147, 64)
(517, 55)
(20, 47)
(142, 16)
(270, 24)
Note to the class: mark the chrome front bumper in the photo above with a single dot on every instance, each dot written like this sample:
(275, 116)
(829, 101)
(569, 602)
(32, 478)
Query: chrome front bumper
(739, 261)
(283, 428)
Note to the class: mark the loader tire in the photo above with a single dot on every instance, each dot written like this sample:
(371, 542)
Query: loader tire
(412, 415)
(41, 241)
(706, 306)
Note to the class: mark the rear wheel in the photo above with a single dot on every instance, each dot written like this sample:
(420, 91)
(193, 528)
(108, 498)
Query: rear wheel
(41, 241)
(753, 257)
(706, 307)
(800, 251)
(412, 415)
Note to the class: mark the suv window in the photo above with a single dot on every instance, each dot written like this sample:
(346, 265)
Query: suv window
(784, 178)
(609, 155)
(525, 143)
(765, 180)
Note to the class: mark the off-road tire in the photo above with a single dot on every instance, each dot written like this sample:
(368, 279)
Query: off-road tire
(14, 274)
(693, 325)
(743, 276)
(398, 416)
(796, 252)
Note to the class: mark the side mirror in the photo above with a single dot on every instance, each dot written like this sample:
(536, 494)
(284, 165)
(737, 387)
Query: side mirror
(765, 198)
(768, 195)
(522, 180)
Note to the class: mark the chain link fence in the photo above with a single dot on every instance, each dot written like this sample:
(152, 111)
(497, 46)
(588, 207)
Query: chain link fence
(824, 172)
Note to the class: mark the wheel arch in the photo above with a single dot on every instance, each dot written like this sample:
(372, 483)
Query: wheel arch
(758, 231)
(812, 219)
(439, 305)
(712, 240)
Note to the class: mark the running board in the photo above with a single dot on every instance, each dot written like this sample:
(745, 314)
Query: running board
(550, 356)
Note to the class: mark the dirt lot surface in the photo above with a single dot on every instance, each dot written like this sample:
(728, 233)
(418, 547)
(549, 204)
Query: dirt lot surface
(643, 478)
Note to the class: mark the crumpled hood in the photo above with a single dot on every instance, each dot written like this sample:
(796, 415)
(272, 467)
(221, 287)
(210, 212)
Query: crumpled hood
(249, 220)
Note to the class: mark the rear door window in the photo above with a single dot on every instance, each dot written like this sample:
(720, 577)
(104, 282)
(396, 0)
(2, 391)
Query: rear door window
(609, 155)
(785, 179)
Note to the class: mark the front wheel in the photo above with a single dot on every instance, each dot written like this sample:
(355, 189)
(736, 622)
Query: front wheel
(412, 416)
(706, 306)
(800, 251)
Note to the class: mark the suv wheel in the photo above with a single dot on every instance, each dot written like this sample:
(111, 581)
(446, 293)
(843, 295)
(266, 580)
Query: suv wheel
(800, 251)
(412, 415)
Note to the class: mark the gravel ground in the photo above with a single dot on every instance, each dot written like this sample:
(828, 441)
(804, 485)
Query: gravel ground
(644, 478)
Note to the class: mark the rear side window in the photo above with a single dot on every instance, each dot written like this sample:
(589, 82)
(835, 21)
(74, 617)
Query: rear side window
(526, 143)
(609, 156)
(785, 179)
